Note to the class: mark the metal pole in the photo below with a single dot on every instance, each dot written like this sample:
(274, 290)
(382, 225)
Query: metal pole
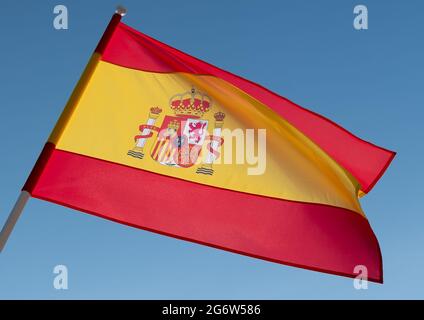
(13, 217)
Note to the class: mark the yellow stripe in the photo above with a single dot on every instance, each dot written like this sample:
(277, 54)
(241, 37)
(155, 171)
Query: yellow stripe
(117, 100)
(74, 98)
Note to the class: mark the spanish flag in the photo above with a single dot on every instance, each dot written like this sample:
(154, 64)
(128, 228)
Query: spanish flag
(159, 140)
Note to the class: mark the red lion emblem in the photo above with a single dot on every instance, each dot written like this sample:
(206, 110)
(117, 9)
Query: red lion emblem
(196, 131)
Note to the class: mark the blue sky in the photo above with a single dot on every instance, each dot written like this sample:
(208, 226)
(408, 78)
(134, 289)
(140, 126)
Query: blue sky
(370, 82)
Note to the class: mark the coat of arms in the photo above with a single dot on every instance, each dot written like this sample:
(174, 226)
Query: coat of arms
(181, 137)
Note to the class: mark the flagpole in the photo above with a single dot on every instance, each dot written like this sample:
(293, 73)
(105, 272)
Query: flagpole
(13, 217)
(58, 129)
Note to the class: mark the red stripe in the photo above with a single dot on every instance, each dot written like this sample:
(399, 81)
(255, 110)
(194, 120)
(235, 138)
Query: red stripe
(365, 161)
(110, 29)
(313, 236)
(39, 166)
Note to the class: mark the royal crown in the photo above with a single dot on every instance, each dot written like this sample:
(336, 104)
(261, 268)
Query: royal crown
(192, 103)
(155, 110)
(219, 116)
